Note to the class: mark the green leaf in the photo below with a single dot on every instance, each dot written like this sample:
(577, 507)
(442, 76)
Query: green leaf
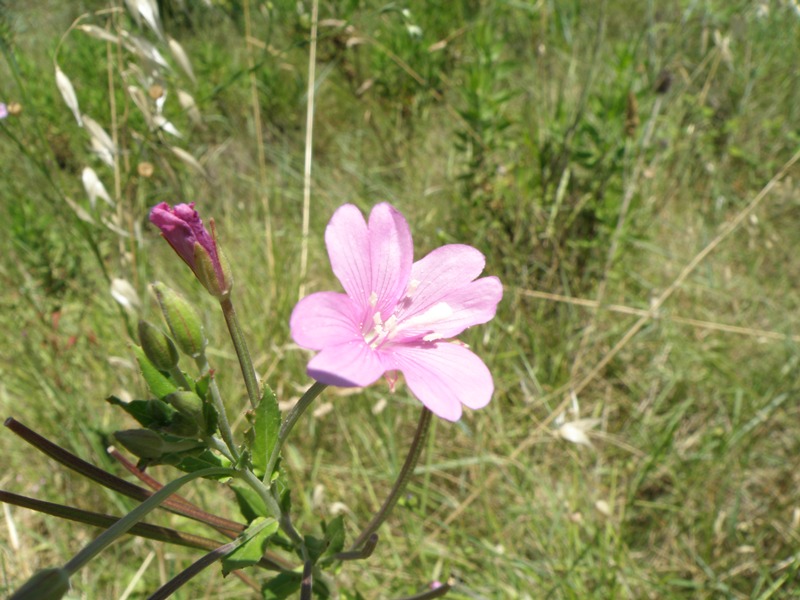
(315, 547)
(158, 383)
(250, 504)
(206, 459)
(264, 433)
(201, 385)
(285, 585)
(334, 538)
(152, 414)
(250, 552)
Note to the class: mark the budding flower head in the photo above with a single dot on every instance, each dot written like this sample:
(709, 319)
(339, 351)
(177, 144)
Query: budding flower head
(182, 227)
(182, 319)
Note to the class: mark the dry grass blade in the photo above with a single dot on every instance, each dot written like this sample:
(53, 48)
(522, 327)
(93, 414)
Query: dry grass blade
(98, 33)
(312, 63)
(179, 54)
(94, 187)
(68, 94)
(188, 160)
(190, 106)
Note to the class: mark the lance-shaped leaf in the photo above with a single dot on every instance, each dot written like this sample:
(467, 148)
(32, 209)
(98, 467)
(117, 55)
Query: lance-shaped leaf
(68, 94)
(152, 414)
(262, 437)
(256, 537)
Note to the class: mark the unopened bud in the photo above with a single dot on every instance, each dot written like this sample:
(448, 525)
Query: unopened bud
(158, 348)
(47, 584)
(183, 320)
(218, 284)
(148, 444)
(190, 406)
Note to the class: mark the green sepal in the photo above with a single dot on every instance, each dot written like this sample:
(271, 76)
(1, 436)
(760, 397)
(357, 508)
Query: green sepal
(250, 552)
(250, 503)
(158, 383)
(152, 414)
(263, 434)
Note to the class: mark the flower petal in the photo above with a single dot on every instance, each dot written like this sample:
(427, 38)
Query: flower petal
(391, 256)
(324, 319)
(446, 300)
(444, 376)
(352, 364)
(347, 240)
(371, 262)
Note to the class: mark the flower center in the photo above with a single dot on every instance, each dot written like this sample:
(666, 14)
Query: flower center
(420, 326)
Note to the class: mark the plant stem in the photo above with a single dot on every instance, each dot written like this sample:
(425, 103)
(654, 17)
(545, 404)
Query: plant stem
(272, 505)
(286, 427)
(217, 444)
(402, 479)
(240, 345)
(216, 399)
(137, 514)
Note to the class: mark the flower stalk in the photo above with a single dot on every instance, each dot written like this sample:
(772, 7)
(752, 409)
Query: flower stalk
(420, 435)
(240, 345)
(216, 399)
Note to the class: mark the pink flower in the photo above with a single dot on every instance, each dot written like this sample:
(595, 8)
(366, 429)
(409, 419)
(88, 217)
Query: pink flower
(398, 316)
(182, 227)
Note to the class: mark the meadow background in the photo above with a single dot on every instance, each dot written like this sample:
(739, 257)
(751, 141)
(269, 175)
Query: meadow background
(626, 167)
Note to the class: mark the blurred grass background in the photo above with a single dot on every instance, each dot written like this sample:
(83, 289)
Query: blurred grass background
(591, 150)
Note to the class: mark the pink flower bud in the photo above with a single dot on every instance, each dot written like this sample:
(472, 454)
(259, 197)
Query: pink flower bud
(182, 227)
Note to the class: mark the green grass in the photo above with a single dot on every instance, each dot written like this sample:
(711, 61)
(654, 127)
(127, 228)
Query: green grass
(517, 136)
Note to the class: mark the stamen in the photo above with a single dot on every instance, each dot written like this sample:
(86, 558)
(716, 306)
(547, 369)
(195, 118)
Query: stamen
(373, 299)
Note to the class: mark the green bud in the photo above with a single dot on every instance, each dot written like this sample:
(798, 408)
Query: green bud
(148, 444)
(157, 347)
(47, 584)
(183, 320)
(190, 406)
